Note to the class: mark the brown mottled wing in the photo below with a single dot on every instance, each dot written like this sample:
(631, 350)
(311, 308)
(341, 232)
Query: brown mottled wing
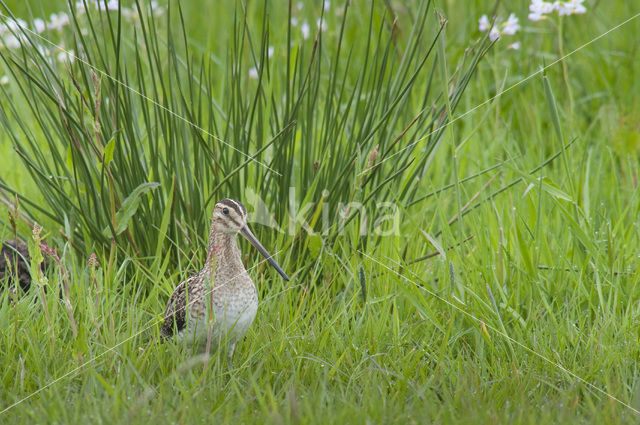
(14, 256)
(175, 316)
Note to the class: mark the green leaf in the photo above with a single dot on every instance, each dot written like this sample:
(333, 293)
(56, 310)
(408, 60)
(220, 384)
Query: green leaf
(417, 299)
(107, 387)
(553, 109)
(363, 283)
(546, 184)
(553, 190)
(577, 230)
(129, 207)
(108, 151)
(435, 244)
(315, 243)
(166, 216)
(524, 250)
(69, 158)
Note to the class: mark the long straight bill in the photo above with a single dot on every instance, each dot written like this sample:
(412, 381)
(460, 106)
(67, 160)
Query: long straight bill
(248, 234)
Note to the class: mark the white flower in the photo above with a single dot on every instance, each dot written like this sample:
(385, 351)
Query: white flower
(563, 8)
(80, 9)
(156, 8)
(570, 7)
(253, 72)
(39, 25)
(294, 21)
(535, 16)
(43, 50)
(483, 23)
(578, 8)
(17, 24)
(66, 56)
(514, 46)
(58, 21)
(305, 30)
(111, 5)
(326, 4)
(494, 34)
(322, 24)
(539, 8)
(270, 51)
(299, 5)
(12, 26)
(129, 13)
(511, 26)
(4, 80)
(11, 41)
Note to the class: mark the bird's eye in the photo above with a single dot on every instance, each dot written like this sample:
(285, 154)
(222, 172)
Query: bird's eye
(225, 210)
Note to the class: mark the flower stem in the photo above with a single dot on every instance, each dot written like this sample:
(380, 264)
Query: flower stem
(565, 71)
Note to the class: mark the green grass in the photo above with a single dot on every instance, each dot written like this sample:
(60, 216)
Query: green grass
(534, 319)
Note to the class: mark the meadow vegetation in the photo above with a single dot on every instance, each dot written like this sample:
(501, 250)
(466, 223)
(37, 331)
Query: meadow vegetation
(457, 209)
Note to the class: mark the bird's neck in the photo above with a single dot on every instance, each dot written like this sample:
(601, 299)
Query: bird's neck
(223, 254)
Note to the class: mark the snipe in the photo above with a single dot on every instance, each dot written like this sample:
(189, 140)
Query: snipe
(222, 283)
(14, 260)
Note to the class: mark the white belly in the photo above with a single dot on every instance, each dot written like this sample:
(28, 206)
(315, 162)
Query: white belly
(231, 320)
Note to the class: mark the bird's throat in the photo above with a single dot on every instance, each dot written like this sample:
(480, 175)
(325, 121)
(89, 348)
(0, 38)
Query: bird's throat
(223, 254)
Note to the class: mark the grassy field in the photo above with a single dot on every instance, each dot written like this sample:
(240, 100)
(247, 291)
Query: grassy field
(491, 275)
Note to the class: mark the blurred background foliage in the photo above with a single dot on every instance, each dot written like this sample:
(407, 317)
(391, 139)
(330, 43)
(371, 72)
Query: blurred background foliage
(133, 133)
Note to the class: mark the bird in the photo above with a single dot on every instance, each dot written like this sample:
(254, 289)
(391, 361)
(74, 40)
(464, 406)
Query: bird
(223, 283)
(14, 260)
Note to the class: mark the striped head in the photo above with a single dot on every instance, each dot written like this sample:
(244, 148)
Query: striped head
(230, 216)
